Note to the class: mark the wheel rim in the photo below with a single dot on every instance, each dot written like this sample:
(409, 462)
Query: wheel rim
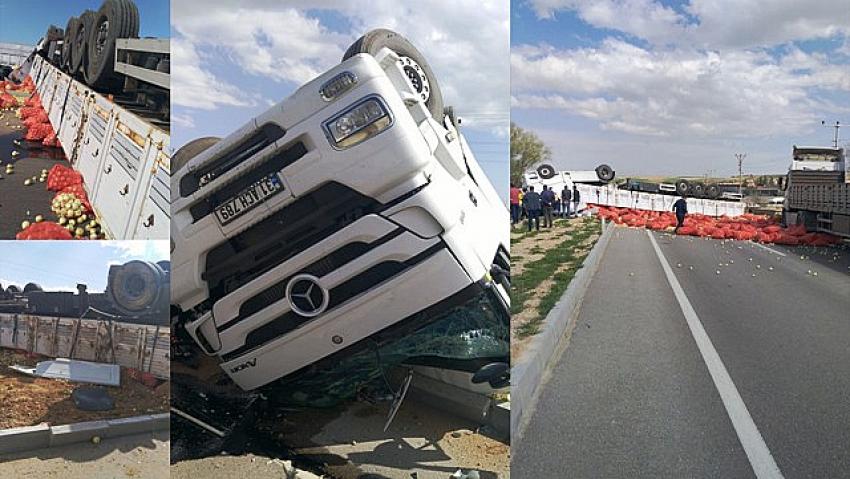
(416, 77)
(102, 35)
(80, 38)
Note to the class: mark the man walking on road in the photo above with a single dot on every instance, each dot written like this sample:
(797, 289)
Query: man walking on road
(531, 202)
(566, 197)
(681, 209)
(547, 199)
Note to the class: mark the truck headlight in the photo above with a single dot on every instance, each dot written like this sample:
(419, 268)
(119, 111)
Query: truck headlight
(358, 123)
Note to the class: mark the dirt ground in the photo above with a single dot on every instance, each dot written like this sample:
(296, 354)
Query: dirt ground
(527, 248)
(143, 456)
(248, 465)
(28, 401)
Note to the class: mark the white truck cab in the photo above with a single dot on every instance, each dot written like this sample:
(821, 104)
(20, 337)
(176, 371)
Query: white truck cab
(546, 175)
(350, 214)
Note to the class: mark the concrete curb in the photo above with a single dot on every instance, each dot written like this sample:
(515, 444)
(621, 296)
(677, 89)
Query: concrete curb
(527, 374)
(22, 439)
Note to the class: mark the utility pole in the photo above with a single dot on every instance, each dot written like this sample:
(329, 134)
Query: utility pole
(836, 126)
(740, 157)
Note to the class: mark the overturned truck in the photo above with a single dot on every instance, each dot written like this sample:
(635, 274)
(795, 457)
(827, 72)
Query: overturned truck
(136, 292)
(346, 230)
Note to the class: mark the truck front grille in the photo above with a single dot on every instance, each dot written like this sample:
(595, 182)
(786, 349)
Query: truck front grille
(229, 158)
(281, 159)
(284, 234)
(363, 282)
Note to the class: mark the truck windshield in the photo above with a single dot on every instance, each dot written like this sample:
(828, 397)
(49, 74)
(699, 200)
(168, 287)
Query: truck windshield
(465, 337)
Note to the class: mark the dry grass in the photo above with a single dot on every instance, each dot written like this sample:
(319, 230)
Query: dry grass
(542, 266)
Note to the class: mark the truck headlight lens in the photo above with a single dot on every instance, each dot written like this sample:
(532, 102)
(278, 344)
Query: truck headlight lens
(359, 123)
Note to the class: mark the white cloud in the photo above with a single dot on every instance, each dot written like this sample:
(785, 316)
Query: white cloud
(673, 91)
(183, 121)
(195, 87)
(467, 43)
(718, 23)
(126, 250)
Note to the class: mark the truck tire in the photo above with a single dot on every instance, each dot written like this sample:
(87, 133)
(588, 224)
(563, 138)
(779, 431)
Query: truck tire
(80, 39)
(191, 150)
(683, 187)
(137, 286)
(546, 171)
(12, 289)
(30, 287)
(68, 43)
(605, 173)
(712, 191)
(698, 190)
(418, 70)
(115, 19)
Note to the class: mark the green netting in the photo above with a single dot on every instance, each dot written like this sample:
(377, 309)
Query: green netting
(478, 328)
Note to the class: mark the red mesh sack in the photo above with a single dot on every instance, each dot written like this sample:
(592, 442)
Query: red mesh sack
(45, 230)
(38, 132)
(60, 177)
(27, 112)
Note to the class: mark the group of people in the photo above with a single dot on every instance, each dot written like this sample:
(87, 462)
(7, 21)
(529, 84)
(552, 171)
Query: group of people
(526, 202)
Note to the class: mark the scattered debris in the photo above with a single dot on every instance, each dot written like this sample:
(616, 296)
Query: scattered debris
(75, 371)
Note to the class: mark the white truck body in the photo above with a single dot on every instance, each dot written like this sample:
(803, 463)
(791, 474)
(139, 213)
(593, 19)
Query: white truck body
(377, 232)
(124, 159)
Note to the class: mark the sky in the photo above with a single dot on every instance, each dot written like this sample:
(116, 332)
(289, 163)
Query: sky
(231, 63)
(25, 22)
(678, 87)
(60, 265)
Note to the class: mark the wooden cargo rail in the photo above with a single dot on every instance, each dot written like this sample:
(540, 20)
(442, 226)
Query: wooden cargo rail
(139, 346)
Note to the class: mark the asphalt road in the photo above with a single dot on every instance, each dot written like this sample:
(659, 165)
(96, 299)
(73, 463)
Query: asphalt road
(17, 201)
(633, 396)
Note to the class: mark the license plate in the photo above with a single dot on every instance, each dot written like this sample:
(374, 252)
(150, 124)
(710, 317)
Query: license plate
(248, 198)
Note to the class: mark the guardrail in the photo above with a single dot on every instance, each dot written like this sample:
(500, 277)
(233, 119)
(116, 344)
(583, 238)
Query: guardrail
(124, 160)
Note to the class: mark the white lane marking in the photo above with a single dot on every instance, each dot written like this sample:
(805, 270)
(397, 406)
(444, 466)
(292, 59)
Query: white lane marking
(780, 253)
(759, 455)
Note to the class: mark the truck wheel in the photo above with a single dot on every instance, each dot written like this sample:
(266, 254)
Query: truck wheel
(417, 69)
(68, 43)
(80, 39)
(30, 287)
(605, 173)
(712, 191)
(12, 289)
(115, 19)
(136, 286)
(191, 150)
(698, 190)
(683, 187)
(546, 171)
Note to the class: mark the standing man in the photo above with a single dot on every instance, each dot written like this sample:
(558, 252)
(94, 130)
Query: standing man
(547, 199)
(681, 209)
(566, 197)
(515, 194)
(531, 202)
(576, 199)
